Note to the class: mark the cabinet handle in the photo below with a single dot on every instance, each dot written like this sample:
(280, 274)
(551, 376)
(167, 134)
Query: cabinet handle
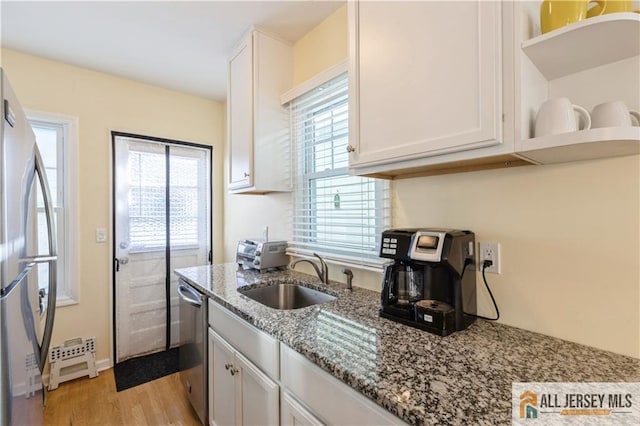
(233, 371)
(246, 174)
(350, 148)
(227, 366)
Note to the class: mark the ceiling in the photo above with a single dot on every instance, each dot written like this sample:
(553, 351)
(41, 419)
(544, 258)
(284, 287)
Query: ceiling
(180, 45)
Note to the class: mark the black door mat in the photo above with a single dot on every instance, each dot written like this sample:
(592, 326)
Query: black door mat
(136, 371)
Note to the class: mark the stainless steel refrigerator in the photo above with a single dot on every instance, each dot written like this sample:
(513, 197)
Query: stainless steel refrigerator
(27, 307)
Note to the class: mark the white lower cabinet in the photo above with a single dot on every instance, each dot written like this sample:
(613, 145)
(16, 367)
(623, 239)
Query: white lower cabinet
(294, 414)
(329, 401)
(256, 380)
(239, 393)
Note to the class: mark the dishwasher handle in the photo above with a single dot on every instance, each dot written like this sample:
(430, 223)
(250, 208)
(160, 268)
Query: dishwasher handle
(189, 295)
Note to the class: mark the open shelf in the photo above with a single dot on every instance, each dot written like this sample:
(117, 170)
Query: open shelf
(583, 145)
(585, 44)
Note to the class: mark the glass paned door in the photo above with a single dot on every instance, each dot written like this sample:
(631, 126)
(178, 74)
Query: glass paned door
(162, 222)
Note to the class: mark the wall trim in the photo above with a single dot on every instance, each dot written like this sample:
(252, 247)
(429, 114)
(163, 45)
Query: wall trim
(71, 202)
(315, 81)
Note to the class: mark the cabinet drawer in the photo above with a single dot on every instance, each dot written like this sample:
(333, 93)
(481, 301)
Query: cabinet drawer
(333, 401)
(294, 414)
(256, 345)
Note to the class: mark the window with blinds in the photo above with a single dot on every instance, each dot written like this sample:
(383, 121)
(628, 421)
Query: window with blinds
(334, 214)
(57, 139)
(148, 187)
(50, 137)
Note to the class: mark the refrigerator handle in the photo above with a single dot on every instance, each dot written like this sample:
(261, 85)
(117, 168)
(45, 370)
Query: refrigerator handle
(53, 253)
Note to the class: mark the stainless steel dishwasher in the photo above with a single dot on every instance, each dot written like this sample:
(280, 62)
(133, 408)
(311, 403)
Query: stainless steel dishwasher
(193, 347)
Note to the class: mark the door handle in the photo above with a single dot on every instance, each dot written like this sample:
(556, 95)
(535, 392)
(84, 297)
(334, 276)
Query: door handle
(53, 253)
(120, 261)
(42, 294)
(184, 292)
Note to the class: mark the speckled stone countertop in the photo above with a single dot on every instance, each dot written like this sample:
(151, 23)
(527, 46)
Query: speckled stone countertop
(464, 378)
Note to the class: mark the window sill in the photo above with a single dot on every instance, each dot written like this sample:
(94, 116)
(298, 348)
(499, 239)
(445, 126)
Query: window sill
(372, 265)
(66, 301)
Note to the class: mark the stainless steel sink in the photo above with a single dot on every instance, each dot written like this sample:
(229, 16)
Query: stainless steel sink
(287, 296)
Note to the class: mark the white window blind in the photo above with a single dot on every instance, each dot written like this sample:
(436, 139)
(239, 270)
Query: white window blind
(334, 214)
(147, 192)
(147, 196)
(56, 137)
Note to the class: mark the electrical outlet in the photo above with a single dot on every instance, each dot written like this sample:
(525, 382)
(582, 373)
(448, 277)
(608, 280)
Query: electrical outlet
(490, 251)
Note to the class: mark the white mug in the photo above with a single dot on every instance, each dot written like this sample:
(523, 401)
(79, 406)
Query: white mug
(558, 115)
(614, 114)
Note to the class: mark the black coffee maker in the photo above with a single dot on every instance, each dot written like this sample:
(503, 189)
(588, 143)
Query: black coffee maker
(431, 283)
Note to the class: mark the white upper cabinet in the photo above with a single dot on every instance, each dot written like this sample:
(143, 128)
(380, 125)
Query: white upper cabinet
(260, 69)
(590, 62)
(450, 86)
(426, 84)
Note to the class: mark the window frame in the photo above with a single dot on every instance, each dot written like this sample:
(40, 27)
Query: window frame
(304, 174)
(309, 174)
(68, 263)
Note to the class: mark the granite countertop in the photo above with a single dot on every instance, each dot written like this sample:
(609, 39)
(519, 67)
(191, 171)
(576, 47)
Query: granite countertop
(420, 377)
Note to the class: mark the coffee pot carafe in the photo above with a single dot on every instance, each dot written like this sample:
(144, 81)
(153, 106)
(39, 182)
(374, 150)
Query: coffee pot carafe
(406, 283)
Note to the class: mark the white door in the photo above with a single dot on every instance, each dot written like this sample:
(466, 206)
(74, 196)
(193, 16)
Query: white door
(153, 237)
(240, 116)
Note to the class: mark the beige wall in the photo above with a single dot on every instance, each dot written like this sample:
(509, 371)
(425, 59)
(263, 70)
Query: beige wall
(569, 234)
(569, 238)
(324, 46)
(103, 103)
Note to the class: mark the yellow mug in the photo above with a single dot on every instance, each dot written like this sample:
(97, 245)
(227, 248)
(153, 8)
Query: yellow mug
(609, 6)
(556, 14)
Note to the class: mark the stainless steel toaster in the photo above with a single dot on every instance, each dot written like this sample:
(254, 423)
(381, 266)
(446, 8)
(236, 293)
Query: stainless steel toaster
(262, 255)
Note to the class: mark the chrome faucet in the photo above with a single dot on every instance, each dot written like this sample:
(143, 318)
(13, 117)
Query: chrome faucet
(349, 275)
(322, 271)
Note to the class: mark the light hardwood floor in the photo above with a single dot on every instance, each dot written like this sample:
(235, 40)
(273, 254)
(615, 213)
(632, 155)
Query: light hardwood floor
(95, 402)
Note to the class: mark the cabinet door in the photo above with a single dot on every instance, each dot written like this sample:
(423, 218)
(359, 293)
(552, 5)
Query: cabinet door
(425, 78)
(224, 389)
(294, 414)
(210, 376)
(259, 404)
(240, 116)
